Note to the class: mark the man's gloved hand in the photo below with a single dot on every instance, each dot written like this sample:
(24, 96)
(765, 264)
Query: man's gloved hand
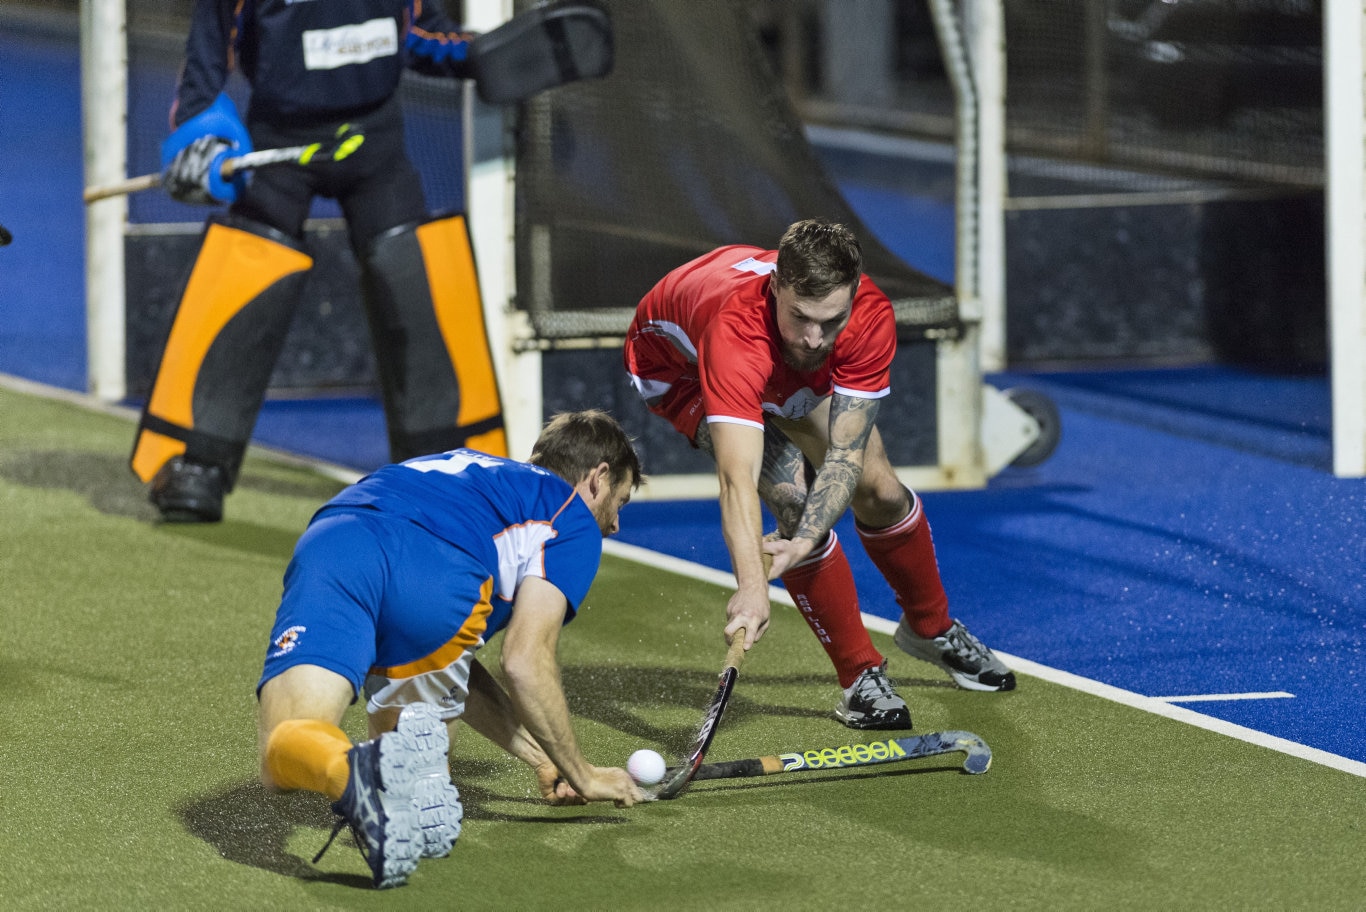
(192, 156)
(187, 178)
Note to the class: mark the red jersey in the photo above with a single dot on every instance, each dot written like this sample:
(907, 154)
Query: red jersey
(705, 340)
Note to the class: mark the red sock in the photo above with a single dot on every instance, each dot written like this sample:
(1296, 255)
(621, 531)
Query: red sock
(823, 588)
(904, 553)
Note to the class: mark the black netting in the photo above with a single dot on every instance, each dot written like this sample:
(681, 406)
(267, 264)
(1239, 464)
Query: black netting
(689, 144)
(1188, 88)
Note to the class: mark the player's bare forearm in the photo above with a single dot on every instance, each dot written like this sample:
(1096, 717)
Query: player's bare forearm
(851, 424)
(742, 528)
(533, 674)
(739, 454)
(829, 498)
(539, 702)
(490, 711)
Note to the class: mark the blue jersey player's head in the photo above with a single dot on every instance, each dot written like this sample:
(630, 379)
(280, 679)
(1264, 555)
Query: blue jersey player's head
(591, 451)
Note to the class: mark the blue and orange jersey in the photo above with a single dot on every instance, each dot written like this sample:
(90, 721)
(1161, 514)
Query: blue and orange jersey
(513, 519)
(314, 59)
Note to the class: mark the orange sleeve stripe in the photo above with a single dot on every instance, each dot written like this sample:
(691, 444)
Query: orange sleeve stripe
(568, 500)
(416, 9)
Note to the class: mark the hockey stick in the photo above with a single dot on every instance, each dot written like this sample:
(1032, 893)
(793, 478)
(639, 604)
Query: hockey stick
(302, 155)
(893, 750)
(677, 779)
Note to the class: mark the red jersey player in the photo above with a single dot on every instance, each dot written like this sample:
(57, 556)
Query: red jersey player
(774, 362)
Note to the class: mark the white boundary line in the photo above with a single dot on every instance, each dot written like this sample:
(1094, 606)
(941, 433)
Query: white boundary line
(1154, 705)
(91, 403)
(1216, 698)
(1181, 714)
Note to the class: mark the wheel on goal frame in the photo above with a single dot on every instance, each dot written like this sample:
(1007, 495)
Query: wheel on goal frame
(1045, 413)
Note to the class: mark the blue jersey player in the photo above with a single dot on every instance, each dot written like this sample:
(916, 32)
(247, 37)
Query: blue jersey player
(394, 586)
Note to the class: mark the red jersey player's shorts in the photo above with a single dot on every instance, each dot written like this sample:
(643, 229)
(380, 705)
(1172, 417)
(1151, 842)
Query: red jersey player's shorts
(671, 390)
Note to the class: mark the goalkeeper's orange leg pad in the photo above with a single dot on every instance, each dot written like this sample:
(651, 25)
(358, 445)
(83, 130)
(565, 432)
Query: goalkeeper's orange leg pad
(427, 320)
(224, 340)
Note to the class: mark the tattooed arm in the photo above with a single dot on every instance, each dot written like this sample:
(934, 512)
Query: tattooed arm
(851, 424)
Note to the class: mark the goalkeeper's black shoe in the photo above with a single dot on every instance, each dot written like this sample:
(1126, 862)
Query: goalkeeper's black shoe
(188, 492)
(871, 703)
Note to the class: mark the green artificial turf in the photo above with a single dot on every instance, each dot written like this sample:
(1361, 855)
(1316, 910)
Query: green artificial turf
(127, 772)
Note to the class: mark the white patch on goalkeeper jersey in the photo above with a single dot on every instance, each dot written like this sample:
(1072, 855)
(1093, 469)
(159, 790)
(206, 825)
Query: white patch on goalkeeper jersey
(327, 49)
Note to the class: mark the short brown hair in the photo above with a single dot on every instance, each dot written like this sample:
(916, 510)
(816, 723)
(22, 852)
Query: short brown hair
(573, 444)
(816, 257)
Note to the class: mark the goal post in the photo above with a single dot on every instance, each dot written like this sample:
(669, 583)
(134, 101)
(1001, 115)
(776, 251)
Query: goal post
(490, 194)
(104, 115)
(1344, 34)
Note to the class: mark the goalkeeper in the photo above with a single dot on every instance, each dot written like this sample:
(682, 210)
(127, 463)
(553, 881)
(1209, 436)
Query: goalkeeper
(320, 72)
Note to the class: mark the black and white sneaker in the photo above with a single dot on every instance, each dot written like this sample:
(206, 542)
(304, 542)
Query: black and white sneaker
(399, 801)
(871, 702)
(970, 664)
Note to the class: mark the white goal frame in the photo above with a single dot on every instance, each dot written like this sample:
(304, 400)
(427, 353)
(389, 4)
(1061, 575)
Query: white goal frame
(104, 127)
(1344, 37)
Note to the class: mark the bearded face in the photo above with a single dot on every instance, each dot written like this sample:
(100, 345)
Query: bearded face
(807, 327)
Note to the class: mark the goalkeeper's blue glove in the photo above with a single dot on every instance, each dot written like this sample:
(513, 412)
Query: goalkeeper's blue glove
(192, 156)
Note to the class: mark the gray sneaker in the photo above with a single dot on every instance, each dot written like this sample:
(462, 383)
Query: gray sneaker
(435, 798)
(871, 703)
(399, 801)
(972, 665)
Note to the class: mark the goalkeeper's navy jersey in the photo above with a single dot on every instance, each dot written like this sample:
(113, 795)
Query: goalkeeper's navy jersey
(514, 519)
(308, 59)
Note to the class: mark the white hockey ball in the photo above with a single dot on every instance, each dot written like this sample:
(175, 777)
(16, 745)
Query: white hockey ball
(646, 767)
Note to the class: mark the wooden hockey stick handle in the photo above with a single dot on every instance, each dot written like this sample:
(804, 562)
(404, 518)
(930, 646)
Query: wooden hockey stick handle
(131, 185)
(150, 181)
(736, 653)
